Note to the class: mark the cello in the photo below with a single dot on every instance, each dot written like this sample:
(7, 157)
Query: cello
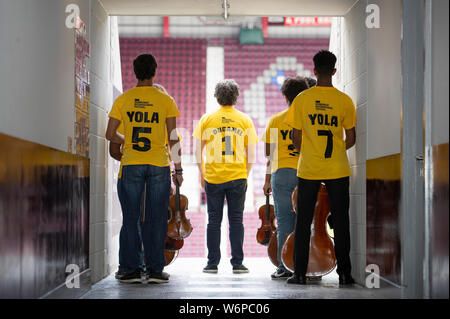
(267, 216)
(179, 226)
(272, 248)
(322, 259)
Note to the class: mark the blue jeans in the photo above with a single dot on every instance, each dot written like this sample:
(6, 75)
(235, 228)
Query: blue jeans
(122, 237)
(156, 181)
(283, 183)
(234, 192)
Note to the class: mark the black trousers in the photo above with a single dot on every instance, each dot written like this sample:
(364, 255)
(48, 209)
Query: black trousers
(339, 198)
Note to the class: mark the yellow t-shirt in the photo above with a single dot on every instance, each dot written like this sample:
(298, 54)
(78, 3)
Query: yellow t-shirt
(322, 114)
(143, 111)
(120, 130)
(279, 133)
(227, 132)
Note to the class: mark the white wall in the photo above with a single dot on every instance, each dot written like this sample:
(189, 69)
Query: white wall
(37, 86)
(105, 72)
(440, 51)
(384, 81)
(36, 82)
(348, 41)
(354, 70)
(369, 70)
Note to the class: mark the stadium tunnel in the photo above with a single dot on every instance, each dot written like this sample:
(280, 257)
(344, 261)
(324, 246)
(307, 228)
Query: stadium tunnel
(64, 62)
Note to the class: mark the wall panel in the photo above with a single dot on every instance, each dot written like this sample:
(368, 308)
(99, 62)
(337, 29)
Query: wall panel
(44, 212)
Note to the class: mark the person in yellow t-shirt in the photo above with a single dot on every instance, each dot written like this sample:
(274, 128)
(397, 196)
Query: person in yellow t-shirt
(227, 137)
(115, 149)
(319, 116)
(115, 152)
(282, 160)
(148, 115)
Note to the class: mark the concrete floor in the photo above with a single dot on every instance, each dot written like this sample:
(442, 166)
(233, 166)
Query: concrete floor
(187, 281)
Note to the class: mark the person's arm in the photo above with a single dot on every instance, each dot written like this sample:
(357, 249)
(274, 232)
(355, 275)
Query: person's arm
(175, 148)
(297, 139)
(115, 151)
(350, 138)
(250, 151)
(267, 189)
(111, 131)
(199, 147)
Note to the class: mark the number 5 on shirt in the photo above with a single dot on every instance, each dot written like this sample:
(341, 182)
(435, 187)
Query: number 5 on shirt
(136, 139)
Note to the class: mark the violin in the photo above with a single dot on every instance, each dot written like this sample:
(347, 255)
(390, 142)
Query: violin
(173, 244)
(322, 259)
(267, 216)
(179, 226)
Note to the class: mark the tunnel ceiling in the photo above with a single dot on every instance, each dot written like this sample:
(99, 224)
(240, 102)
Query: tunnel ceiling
(237, 7)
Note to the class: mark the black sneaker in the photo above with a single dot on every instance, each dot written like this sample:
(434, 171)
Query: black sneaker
(210, 269)
(281, 274)
(132, 277)
(297, 280)
(158, 277)
(346, 280)
(120, 273)
(240, 269)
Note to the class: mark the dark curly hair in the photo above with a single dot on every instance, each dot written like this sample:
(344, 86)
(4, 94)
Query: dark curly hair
(293, 87)
(311, 82)
(324, 62)
(227, 92)
(145, 67)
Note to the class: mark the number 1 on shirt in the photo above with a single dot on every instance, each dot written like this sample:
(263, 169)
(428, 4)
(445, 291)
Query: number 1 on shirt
(228, 149)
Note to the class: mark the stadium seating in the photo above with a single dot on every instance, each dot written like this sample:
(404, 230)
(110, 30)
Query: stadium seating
(260, 71)
(181, 70)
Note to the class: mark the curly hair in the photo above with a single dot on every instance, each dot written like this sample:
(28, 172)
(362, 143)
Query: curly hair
(293, 87)
(227, 92)
(145, 67)
(311, 82)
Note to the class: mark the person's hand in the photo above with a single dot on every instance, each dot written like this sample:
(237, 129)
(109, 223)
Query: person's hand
(177, 178)
(202, 181)
(267, 189)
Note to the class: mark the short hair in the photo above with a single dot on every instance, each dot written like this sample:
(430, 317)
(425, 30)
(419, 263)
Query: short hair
(145, 67)
(324, 62)
(294, 86)
(227, 92)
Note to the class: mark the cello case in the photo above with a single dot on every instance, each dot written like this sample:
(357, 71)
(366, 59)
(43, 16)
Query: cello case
(322, 259)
